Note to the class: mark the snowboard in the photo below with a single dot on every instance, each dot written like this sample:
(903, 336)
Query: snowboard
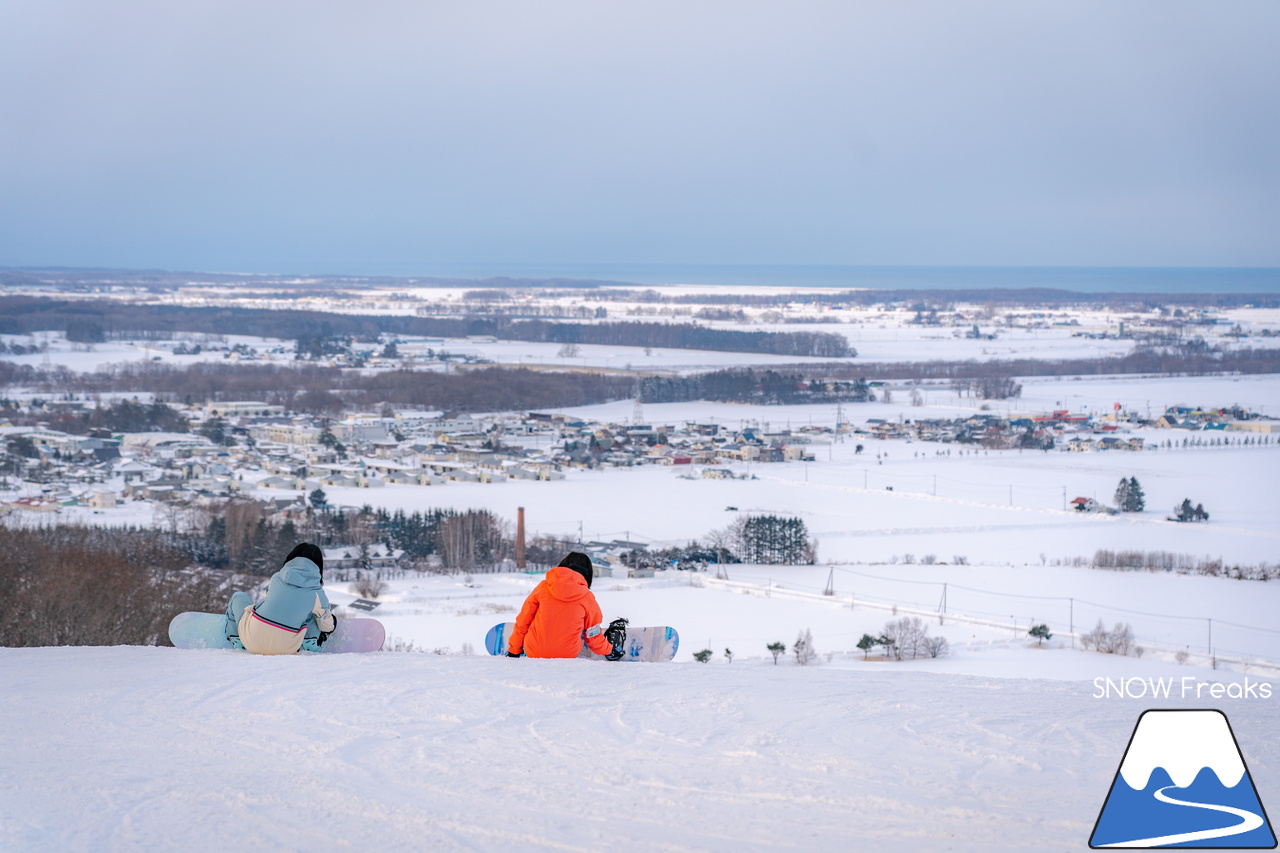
(205, 631)
(643, 644)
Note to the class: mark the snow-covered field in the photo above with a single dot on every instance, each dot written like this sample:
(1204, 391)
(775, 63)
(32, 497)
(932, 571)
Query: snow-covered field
(984, 612)
(999, 745)
(878, 334)
(142, 749)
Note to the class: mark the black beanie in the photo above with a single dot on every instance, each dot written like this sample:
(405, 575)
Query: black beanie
(580, 563)
(310, 552)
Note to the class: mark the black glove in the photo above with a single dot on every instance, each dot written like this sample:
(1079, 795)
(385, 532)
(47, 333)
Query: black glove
(616, 654)
(514, 655)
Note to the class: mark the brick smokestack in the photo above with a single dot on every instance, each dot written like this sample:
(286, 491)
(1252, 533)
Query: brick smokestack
(520, 539)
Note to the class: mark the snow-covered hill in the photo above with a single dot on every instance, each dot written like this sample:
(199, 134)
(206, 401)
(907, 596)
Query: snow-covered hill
(140, 749)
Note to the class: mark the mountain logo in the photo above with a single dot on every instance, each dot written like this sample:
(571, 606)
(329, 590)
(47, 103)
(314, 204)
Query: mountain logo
(1183, 783)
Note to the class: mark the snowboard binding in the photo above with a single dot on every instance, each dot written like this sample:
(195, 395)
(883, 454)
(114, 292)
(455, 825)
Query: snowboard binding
(616, 634)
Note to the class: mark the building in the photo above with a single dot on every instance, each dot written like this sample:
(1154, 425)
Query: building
(242, 409)
(350, 557)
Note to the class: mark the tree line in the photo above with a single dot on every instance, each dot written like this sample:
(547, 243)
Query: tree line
(239, 536)
(748, 385)
(1172, 360)
(95, 321)
(119, 416)
(325, 390)
(683, 336)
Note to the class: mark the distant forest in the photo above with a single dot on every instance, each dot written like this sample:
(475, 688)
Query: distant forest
(1192, 357)
(329, 391)
(318, 390)
(95, 321)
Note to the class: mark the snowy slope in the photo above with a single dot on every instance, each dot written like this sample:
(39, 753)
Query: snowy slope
(139, 749)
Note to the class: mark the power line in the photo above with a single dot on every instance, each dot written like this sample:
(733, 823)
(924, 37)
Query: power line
(1058, 598)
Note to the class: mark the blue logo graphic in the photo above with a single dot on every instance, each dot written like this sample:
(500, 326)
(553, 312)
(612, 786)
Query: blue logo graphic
(1183, 783)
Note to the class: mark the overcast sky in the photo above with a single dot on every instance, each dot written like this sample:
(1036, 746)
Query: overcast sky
(408, 136)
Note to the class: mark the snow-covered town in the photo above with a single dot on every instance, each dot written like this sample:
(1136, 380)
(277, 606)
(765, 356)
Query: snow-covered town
(704, 427)
(286, 461)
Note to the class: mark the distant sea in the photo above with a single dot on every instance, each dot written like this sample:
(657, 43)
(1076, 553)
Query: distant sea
(1078, 279)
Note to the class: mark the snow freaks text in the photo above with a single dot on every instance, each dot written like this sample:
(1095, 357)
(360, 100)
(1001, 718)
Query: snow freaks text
(1187, 687)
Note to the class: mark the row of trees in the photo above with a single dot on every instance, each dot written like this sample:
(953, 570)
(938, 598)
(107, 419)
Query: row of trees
(1172, 360)
(1169, 561)
(755, 539)
(681, 336)
(119, 416)
(238, 536)
(305, 387)
(746, 385)
(93, 321)
(905, 638)
(773, 540)
(1129, 497)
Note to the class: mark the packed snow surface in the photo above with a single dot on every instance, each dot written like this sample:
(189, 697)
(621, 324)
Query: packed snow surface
(139, 749)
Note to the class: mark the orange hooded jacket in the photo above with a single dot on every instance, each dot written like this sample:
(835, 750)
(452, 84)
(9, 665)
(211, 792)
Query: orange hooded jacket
(557, 616)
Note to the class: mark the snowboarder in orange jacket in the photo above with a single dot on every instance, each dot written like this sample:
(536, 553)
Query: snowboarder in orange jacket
(560, 614)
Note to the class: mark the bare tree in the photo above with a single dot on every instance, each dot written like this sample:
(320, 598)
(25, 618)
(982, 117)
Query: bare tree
(936, 647)
(906, 637)
(803, 648)
(1118, 641)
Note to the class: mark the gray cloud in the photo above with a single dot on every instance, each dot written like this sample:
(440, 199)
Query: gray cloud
(398, 136)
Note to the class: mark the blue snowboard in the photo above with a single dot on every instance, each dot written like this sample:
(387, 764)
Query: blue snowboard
(643, 644)
(206, 631)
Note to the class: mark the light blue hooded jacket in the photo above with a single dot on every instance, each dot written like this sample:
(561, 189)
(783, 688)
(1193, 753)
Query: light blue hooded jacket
(292, 597)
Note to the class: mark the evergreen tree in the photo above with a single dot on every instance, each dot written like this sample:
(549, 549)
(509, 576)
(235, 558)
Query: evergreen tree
(215, 429)
(1186, 512)
(1129, 495)
(772, 540)
(1137, 499)
(1041, 633)
(1122, 494)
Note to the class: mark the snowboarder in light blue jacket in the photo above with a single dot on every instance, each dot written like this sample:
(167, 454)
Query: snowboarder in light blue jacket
(295, 614)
